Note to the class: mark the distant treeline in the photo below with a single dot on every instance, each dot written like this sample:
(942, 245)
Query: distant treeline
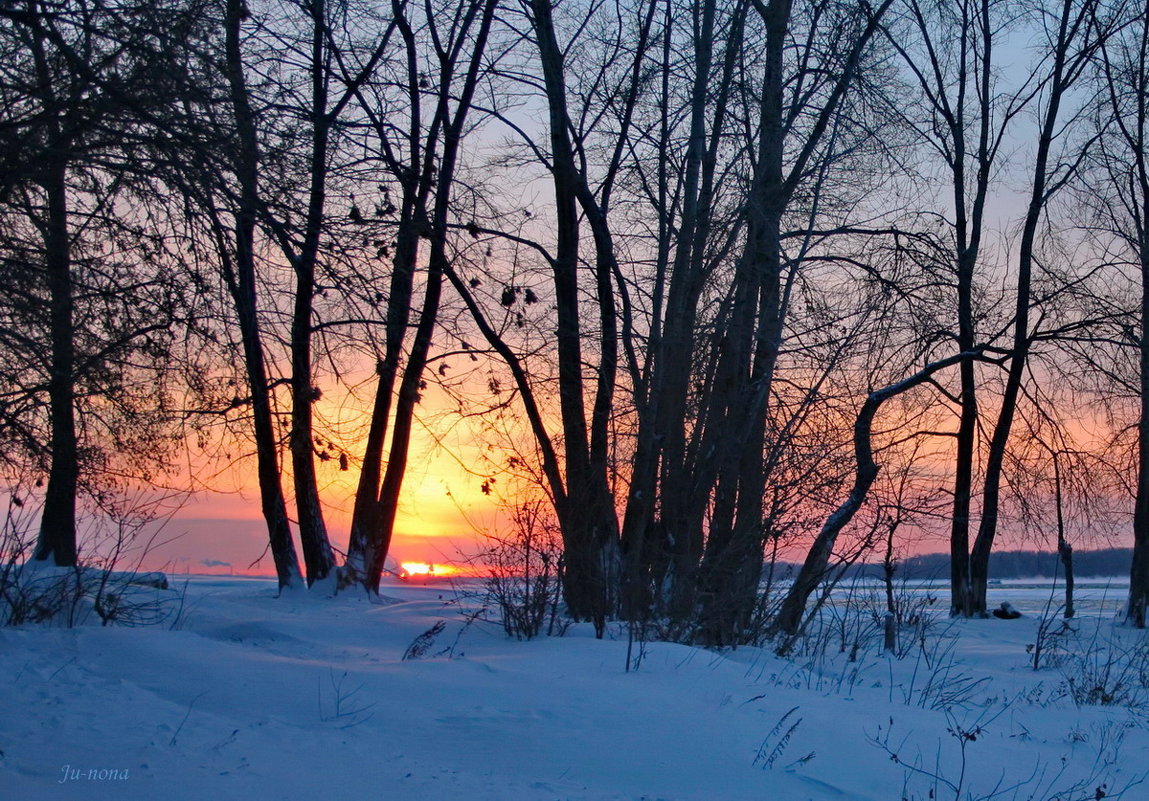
(1106, 562)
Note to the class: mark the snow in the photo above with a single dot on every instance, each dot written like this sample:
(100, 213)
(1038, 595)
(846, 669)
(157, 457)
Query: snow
(250, 696)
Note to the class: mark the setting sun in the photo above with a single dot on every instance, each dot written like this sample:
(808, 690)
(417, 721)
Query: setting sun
(425, 570)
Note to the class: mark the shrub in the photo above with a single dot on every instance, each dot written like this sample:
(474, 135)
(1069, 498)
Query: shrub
(524, 574)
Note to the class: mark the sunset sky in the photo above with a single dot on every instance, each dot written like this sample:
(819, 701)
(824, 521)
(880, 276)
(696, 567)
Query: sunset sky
(443, 512)
(442, 516)
(224, 531)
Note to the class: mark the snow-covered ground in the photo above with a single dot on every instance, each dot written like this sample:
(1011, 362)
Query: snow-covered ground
(250, 696)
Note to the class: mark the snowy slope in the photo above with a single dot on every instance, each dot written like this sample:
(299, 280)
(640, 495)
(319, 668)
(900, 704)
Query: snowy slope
(260, 697)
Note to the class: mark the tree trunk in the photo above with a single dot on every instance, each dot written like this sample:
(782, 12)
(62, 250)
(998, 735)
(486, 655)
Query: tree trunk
(1136, 137)
(728, 580)
(889, 569)
(960, 40)
(410, 389)
(365, 519)
(416, 179)
(317, 554)
(961, 590)
(659, 509)
(1138, 604)
(791, 617)
(1039, 198)
(57, 537)
(412, 384)
(753, 340)
(244, 294)
(590, 534)
(1064, 549)
(970, 228)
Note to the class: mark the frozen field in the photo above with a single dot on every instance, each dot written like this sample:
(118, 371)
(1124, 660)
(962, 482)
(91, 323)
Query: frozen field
(250, 696)
(1093, 596)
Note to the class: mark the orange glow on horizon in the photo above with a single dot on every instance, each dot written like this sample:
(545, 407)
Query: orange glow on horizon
(426, 570)
(443, 505)
(453, 491)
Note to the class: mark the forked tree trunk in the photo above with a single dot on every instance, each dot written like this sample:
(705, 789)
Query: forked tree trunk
(955, 70)
(970, 225)
(744, 380)
(590, 533)
(382, 518)
(416, 179)
(661, 538)
(366, 519)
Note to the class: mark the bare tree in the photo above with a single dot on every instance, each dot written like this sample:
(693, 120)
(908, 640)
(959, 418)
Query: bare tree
(687, 198)
(240, 275)
(1074, 32)
(701, 383)
(1120, 186)
(589, 522)
(792, 616)
(952, 58)
(327, 93)
(796, 136)
(423, 162)
(90, 289)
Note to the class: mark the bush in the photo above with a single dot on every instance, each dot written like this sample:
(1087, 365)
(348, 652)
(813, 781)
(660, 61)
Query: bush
(1107, 671)
(42, 593)
(524, 574)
